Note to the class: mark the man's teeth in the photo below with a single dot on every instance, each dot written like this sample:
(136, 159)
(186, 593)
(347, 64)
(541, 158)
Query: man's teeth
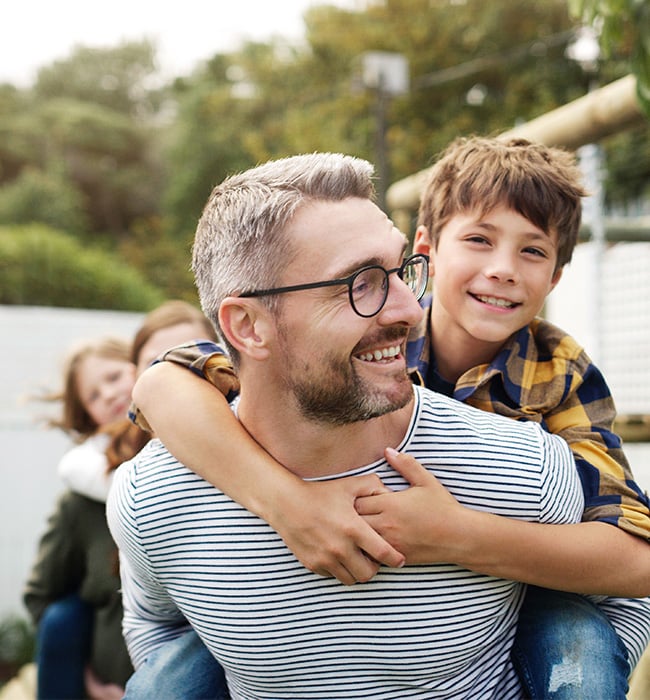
(495, 301)
(382, 354)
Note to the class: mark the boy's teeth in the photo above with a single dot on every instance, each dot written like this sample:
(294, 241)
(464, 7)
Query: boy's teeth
(494, 301)
(382, 354)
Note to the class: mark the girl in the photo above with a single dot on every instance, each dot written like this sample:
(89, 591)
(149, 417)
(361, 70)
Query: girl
(73, 590)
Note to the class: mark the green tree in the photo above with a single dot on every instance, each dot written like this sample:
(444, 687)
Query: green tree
(624, 27)
(39, 265)
(273, 99)
(38, 196)
(120, 78)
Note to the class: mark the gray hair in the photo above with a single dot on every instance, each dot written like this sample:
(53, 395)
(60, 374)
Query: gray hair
(240, 241)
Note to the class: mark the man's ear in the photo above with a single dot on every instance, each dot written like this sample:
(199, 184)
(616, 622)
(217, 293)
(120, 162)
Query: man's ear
(422, 244)
(246, 324)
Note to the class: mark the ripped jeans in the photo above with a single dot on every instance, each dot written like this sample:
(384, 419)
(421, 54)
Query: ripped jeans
(566, 649)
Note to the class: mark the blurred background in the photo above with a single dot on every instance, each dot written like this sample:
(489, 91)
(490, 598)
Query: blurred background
(114, 128)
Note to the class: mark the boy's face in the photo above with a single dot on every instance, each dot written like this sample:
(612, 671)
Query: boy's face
(491, 274)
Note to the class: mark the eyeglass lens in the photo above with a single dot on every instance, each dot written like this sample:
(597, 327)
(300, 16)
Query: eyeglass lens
(369, 288)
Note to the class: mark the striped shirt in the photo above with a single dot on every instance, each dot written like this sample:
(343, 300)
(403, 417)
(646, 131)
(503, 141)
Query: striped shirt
(280, 631)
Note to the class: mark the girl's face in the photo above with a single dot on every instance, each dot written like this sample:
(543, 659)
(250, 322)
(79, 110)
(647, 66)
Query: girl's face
(104, 385)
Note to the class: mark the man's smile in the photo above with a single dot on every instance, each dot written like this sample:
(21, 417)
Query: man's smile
(388, 352)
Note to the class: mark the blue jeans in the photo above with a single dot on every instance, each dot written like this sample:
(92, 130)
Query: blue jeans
(566, 649)
(182, 668)
(63, 641)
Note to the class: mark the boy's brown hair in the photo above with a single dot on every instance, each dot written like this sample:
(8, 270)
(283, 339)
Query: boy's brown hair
(541, 183)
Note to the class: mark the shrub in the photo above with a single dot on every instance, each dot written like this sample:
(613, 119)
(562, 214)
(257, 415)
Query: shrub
(40, 266)
(17, 645)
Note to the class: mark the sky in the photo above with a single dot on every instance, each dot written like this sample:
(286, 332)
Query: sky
(35, 33)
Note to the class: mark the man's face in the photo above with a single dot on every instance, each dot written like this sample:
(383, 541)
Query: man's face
(338, 367)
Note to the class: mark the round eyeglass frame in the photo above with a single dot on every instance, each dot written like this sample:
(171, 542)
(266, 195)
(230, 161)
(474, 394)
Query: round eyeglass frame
(411, 261)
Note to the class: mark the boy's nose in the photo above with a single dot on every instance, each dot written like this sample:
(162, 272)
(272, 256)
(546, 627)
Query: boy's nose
(502, 268)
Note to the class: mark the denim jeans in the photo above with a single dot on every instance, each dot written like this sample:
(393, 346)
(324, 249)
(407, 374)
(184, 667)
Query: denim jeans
(566, 649)
(63, 640)
(182, 668)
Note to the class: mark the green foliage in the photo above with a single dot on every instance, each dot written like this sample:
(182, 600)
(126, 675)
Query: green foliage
(48, 198)
(270, 100)
(99, 149)
(118, 78)
(17, 645)
(40, 266)
(162, 260)
(88, 122)
(624, 26)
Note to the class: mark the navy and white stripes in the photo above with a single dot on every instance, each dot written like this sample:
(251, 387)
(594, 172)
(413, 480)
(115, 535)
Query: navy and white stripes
(281, 631)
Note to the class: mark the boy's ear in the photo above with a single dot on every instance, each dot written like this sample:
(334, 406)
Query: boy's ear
(422, 244)
(246, 325)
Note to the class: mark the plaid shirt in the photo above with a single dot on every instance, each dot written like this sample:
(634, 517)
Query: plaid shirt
(542, 374)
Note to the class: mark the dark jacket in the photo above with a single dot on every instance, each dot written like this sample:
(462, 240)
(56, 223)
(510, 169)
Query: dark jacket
(77, 554)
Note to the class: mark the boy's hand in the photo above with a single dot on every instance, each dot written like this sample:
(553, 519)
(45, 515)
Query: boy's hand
(425, 521)
(327, 535)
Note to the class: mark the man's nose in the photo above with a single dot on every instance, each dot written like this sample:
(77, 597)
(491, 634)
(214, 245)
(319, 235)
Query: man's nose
(401, 306)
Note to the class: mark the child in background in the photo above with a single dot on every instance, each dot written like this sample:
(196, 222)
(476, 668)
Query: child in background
(499, 220)
(72, 592)
(85, 470)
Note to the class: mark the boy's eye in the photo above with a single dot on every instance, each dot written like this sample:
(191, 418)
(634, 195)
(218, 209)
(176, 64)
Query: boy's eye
(536, 251)
(476, 238)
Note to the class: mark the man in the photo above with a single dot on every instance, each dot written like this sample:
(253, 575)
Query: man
(324, 389)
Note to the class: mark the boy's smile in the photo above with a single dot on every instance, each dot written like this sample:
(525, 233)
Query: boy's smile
(491, 275)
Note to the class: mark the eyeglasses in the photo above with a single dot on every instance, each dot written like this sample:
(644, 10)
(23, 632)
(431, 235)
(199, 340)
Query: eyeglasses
(368, 287)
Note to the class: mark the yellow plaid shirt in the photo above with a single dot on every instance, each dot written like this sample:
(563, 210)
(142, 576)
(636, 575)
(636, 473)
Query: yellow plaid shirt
(542, 374)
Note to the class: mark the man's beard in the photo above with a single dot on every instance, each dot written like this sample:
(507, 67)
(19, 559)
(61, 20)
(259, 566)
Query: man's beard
(334, 393)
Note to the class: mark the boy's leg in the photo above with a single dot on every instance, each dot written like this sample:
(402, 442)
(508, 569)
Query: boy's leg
(63, 641)
(566, 649)
(182, 668)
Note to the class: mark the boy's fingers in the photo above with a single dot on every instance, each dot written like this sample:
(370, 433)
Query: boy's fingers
(408, 467)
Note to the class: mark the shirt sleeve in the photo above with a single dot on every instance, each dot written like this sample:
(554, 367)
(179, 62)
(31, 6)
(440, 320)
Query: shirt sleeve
(205, 359)
(84, 469)
(585, 420)
(562, 499)
(151, 617)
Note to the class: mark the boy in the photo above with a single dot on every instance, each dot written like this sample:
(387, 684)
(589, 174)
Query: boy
(499, 220)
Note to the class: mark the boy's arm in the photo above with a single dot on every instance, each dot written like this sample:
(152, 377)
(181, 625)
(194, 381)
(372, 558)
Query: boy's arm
(198, 427)
(430, 526)
(585, 420)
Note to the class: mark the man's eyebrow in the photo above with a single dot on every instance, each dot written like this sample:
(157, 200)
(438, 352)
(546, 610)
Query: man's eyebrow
(367, 262)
